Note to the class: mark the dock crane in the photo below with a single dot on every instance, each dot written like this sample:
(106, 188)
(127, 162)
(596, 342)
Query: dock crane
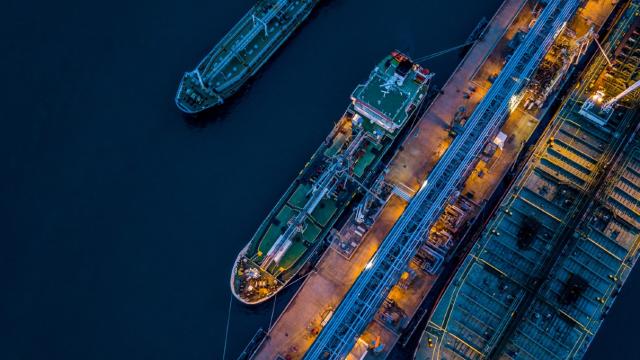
(600, 114)
(582, 43)
(609, 104)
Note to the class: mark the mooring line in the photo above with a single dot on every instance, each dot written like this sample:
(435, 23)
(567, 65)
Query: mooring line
(226, 333)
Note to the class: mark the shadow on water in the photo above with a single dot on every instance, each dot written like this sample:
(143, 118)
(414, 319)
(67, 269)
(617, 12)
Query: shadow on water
(215, 114)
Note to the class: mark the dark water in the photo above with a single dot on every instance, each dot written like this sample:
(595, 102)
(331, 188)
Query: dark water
(120, 220)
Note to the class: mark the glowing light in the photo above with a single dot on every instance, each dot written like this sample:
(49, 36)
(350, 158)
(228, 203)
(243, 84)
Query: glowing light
(513, 103)
(369, 265)
(598, 97)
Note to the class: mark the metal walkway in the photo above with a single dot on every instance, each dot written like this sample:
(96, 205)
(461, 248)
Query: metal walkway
(372, 286)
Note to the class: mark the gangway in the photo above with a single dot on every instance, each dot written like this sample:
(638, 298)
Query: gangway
(372, 286)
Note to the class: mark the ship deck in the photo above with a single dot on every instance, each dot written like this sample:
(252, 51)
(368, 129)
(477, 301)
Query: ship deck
(387, 100)
(240, 53)
(251, 40)
(316, 225)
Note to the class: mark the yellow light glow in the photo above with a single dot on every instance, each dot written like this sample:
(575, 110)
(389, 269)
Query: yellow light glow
(513, 103)
(598, 97)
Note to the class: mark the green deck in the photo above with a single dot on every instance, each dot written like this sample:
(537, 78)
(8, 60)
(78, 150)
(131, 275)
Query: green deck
(390, 104)
(294, 253)
(325, 211)
(372, 128)
(275, 230)
(298, 248)
(310, 234)
(391, 101)
(365, 160)
(299, 197)
(258, 42)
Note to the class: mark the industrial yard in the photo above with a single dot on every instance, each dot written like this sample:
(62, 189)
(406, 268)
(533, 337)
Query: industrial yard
(369, 288)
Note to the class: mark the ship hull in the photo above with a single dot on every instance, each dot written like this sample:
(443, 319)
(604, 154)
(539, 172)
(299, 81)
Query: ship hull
(291, 274)
(232, 279)
(192, 82)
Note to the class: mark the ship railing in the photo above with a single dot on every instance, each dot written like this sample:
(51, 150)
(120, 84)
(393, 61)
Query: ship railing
(209, 59)
(372, 286)
(267, 47)
(245, 40)
(241, 73)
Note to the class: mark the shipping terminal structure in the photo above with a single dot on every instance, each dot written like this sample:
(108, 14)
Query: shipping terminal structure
(554, 255)
(237, 57)
(531, 288)
(508, 229)
(346, 164)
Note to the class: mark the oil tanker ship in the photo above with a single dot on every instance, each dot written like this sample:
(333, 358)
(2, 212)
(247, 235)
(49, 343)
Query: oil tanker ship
(342, 166)
(238, 56)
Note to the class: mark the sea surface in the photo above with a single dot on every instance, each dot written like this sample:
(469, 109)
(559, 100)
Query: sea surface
(120, 219)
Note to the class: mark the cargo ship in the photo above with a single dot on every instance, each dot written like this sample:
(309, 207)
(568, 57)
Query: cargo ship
(344, 165)
(241, 52)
